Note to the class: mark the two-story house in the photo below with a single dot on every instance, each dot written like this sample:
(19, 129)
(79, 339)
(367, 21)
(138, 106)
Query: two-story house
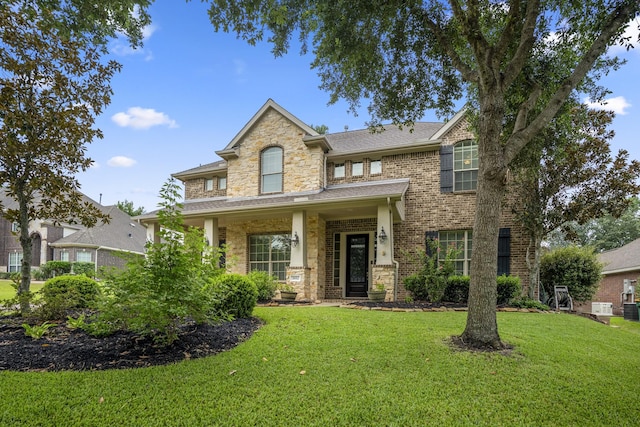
(62, 241)
(334, 214)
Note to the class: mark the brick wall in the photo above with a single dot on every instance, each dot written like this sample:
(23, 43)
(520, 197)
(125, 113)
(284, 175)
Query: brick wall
(195, 189)
(610, 290)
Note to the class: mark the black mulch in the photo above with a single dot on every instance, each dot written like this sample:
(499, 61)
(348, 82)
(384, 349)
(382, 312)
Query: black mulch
(65, 349)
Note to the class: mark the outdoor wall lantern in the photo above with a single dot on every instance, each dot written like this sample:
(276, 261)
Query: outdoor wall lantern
(295, 240)
(382, 237)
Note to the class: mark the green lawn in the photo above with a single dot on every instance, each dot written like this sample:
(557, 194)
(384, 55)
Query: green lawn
(327, 366)
(7, 291)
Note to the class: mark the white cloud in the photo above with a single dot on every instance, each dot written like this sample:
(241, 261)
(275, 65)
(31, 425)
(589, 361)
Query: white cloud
(617, 104)
(121, 46)
(121, 162)
(143, 118)
(632, 31)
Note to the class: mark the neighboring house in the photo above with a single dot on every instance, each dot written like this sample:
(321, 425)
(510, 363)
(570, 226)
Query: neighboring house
(67, 242)
(334, 214)
(620, 265)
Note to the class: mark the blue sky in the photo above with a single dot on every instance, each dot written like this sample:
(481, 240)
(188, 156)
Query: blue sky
(190, 90)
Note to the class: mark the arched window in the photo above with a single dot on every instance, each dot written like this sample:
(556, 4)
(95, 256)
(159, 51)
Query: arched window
(271, 170)
(465, 166)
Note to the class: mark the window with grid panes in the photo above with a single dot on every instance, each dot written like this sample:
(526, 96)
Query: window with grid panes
(461, 242)
(270, 253)
(336, 259)
(465, 166)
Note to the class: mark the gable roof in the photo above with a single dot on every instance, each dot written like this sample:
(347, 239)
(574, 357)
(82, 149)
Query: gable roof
(270, 104)
(220, 165)
(121, 233)
(620, 260)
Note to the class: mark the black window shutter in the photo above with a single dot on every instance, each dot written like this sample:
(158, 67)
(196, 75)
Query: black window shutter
(504, 251)
(446, 169)
(429, 236)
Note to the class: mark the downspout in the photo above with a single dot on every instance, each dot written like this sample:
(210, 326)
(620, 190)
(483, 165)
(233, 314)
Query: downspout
(393, 258)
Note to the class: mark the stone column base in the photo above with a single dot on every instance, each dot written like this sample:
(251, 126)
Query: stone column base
(385, 275)
(299, 279)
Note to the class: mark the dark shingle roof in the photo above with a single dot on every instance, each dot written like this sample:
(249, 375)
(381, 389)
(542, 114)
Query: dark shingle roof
(392, 137)
(333, 193)
(626, 257)
(120, 233)
(209, 167)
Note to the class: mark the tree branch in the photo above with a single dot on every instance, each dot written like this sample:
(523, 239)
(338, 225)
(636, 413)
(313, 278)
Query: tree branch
(527, 39)
(617, 18)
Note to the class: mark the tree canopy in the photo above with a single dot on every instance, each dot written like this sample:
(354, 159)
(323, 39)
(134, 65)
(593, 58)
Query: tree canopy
(54, 83)
(408, 56)
(127, 207)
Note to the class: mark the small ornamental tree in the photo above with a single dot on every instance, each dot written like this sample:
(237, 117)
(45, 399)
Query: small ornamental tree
(156, 294)
(575, 267)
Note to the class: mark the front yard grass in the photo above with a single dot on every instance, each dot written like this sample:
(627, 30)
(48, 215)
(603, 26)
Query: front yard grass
(321, 366)
(7, 291)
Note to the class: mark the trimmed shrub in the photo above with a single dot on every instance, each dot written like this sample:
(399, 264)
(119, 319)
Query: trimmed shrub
(55, 268)
(265, 283)
(233, 294)
(66, 292)
(86, 268)
(417, 286)
(457, 290)
(575, 267)
(509, 287)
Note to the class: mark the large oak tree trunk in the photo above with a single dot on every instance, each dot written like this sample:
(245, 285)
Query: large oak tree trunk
(482, 327)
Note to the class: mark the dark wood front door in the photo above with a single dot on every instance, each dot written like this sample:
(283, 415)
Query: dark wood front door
(357, 265)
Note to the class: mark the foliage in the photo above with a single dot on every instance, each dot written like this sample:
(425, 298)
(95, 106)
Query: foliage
(430, 282)
(127, 207)
(66, 292)
(321, 129)
(604, 233)
(56, 268)
(265, 284)
(575, 267)
(154, 295)
(457, 290)
(508, 288)
(85, 268)
(76, 323)
(526, 302)
(54, 84)
(233, 295)
(568, 176)
(37, 331)
(517, 63)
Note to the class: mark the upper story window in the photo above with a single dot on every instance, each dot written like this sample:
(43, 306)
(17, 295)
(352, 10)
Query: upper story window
(338, 171)
(208, 184)
(222, 183)
(15, 227)
(375, 167)
(465, 166)
(357, 169)
(271, 170)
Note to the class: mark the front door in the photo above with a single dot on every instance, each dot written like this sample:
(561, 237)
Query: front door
(357, 265)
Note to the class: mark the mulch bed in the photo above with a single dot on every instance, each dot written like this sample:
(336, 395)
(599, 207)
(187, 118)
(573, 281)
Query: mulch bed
(65, 349)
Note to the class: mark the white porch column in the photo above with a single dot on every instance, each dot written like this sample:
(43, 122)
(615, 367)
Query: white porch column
(299, 229)
(384, 253)
(211, 231)
(153, 232)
